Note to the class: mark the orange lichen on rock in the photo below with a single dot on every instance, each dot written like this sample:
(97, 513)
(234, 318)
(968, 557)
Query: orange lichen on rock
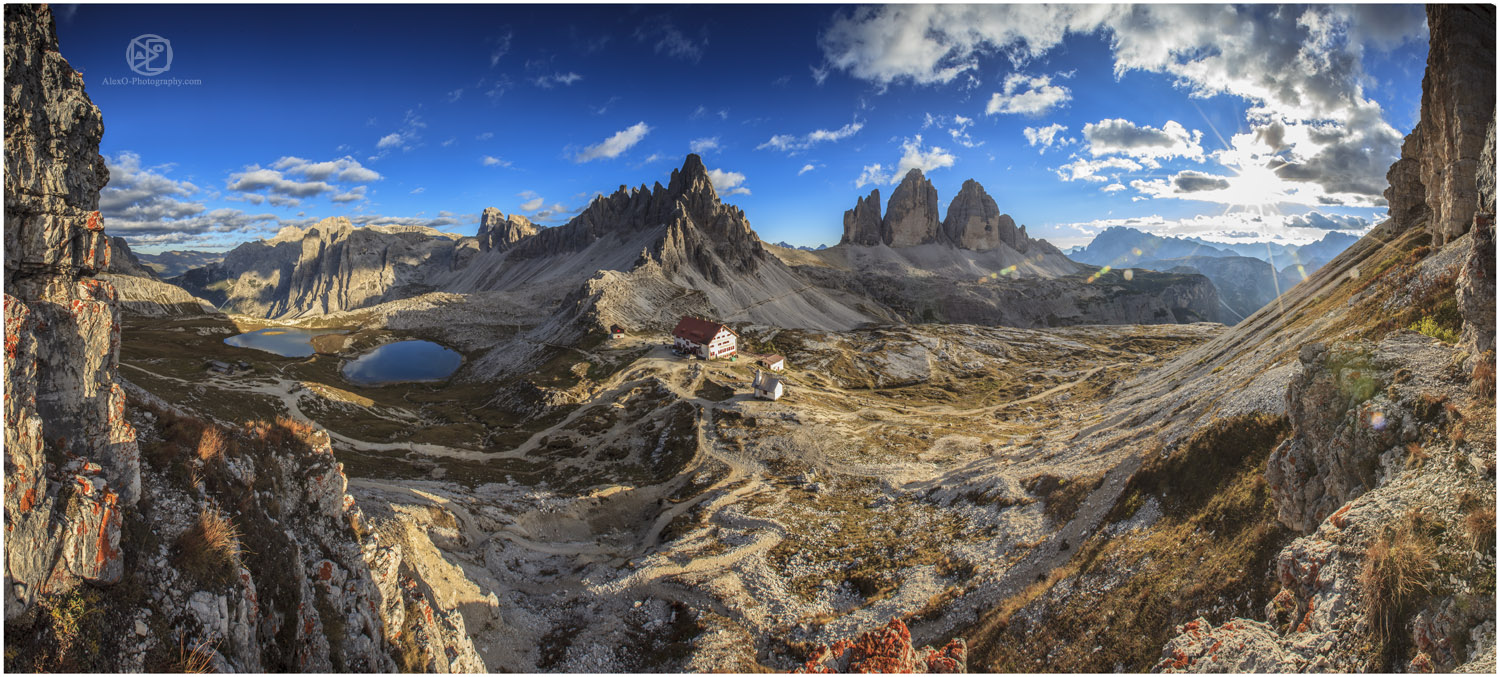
(886, 650)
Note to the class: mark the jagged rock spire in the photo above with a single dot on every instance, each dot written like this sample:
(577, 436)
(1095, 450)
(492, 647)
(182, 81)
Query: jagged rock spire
(911, 218)
(862, 224)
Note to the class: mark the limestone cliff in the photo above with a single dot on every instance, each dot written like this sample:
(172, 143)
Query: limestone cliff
(1435, 177)
(71, 460)
(327, 267)
(974, 221)
(911, 217)
(862, 224)
(498, 232)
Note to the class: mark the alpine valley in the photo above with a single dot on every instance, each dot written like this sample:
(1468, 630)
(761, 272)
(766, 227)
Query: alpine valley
(942, 444)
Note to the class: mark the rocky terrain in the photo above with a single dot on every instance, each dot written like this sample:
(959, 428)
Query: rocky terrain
(139, 538)
(1028, 463)
(141, 291)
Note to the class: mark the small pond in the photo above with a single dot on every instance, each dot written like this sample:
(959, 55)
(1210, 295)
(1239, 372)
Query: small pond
(413, 360)
(284, 341)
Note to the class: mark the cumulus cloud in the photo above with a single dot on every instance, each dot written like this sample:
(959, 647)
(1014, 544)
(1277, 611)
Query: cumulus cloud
(1296, 66)
(1143, 142)
(1113, 188)
(913, 156)
(1084, 169)
(1321, 221)
(793, 142)
(1045, 137)
(143, 194)
(345, 169)
(1022, 95)
(703, 145)
(354, 194)
(256, 178)
(728, 183)
(533, 201)
(1189, 182)
(613, 146)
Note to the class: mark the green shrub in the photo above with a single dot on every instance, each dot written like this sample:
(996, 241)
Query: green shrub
(1431, 327)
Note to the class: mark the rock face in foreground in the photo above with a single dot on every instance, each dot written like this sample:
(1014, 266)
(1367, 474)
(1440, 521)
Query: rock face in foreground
(498, 232)
(1435, 176)
(71, 460)
(230, 548)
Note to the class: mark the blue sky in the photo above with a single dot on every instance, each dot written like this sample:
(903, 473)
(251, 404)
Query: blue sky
(1216, 121)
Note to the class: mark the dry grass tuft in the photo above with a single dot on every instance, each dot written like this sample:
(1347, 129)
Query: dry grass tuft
(1398, 566)
(1482, 379)
(194, 660)
(212, 444)
(1416, 456)
(1479, 520)
(210, 549)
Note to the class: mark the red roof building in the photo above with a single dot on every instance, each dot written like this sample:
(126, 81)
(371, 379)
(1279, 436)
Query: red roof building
(704, 338)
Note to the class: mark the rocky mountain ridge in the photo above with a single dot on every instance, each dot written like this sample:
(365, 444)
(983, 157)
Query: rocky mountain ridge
(973, 220)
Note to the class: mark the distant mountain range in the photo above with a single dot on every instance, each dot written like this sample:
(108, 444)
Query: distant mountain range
(1122, 246)
(783, 244)
(1248, 275)
(174, 263)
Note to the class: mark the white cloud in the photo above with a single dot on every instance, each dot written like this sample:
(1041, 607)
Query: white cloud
(255, 178)
(502, 47)
(354, 194)
(1093, 170)
(418, 190)
(1113, 188)
(140, 193)
(805, 169)
(1233, 227)
(1022, 95)
(533, 204)
(703, 145)
(345, 169)
(872, 175)
(913, 156)
(1045, 137)
(792, 142)
(405, 138)
(1143, 142)
(485, 136)
(728, 183)
(612, 147)
(550, 81)
(492, 161)
(1293, 66)
(667, 39)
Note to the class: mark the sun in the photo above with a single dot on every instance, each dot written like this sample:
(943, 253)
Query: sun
(1255, 185)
